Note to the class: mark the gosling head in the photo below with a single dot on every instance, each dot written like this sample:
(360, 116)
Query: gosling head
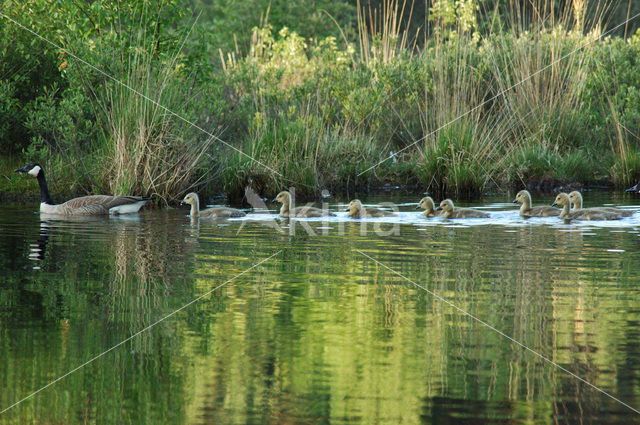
(354, 206)
(522, 197)
(33, 169)
(576, 198)
(191, 199)
(561, 200)
(427, 204)
(446, 205)
(282, 197)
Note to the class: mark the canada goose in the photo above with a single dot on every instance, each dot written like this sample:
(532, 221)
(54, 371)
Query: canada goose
(218, 212)
(524, 197)
(576, 200)
(429, 207)
(452, 212)
(356, 210)
(286, 210)
(563, 200)
(84, 205)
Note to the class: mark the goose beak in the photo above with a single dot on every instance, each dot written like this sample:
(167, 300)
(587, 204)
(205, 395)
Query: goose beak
(439, 209)
(22, 170)
(554, 204)
(515, 201)
(631, 189)
(418, 207)
(274, 200)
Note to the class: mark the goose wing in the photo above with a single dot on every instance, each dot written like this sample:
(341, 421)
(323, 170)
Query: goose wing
(98, 204)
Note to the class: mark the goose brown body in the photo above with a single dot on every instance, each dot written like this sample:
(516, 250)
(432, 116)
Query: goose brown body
(563, 200)
(450, 211)
(576, 200)
(357, 210)
(215, 212)
(287, 209)
(84, 205)
(526, 210)
(429, 207)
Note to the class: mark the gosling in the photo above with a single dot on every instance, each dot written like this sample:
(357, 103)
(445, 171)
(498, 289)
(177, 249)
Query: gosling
(524, 197)
(218, 212)
(576, 200)
(452, 212)
(429, 207)
(563, 200)
(356, 210)
(286, 210)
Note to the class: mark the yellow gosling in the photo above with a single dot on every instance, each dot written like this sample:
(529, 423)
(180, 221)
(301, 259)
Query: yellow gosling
(217, 212)
(576, 200)
(286, 210)
(526, 210)
(563, 200)
(429, 207)
(356, 210)
(452, 212)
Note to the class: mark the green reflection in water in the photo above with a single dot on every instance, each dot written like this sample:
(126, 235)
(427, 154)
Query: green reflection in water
(319, 334)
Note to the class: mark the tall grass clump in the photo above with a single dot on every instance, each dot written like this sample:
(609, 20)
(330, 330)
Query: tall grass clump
(146, 149)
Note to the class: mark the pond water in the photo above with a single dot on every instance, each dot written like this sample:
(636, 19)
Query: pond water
(400, 320)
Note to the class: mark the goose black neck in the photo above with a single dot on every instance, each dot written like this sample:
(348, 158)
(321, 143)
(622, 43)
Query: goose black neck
(44, 190)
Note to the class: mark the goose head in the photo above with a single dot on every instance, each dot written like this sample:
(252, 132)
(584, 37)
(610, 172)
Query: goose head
(561, 200)
(446, 205)
(33, 169)
(576, 199)
(354, 206)
(523, 197)
(427, 204)
(283, 197)
(191, 199)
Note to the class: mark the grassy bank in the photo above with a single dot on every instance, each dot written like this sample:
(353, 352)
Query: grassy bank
(454, 111)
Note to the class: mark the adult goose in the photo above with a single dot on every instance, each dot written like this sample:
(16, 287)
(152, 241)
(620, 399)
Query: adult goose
(563, 200)
(526, 210)
(357, 210)
(429, 207)
(84, 205)
(287, 209)
(576, 200)
(216, 212)
(452, 212)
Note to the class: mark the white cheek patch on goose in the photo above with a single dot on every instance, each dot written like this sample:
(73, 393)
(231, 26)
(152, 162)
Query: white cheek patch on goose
(35, 171)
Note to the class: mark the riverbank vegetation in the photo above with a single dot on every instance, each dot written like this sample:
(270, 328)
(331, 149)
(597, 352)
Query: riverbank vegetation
(454, 96)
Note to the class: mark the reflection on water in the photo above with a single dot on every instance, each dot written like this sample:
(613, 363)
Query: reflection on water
(319, 333)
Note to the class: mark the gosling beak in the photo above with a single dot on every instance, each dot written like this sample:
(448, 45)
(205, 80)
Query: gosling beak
(515, 201)
(182, 202)
(631, 189)
(439, 209)
(22, 170)
(274, 200)
(418, 207)
(554, 204)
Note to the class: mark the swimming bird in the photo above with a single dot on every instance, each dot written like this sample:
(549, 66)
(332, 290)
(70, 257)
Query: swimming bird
(84, 205)
(429, 207)
(356, 210)
(452, 212)
(576, 200)
(524, 197)
(563, 200)
(216, 212)
(287, 209)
